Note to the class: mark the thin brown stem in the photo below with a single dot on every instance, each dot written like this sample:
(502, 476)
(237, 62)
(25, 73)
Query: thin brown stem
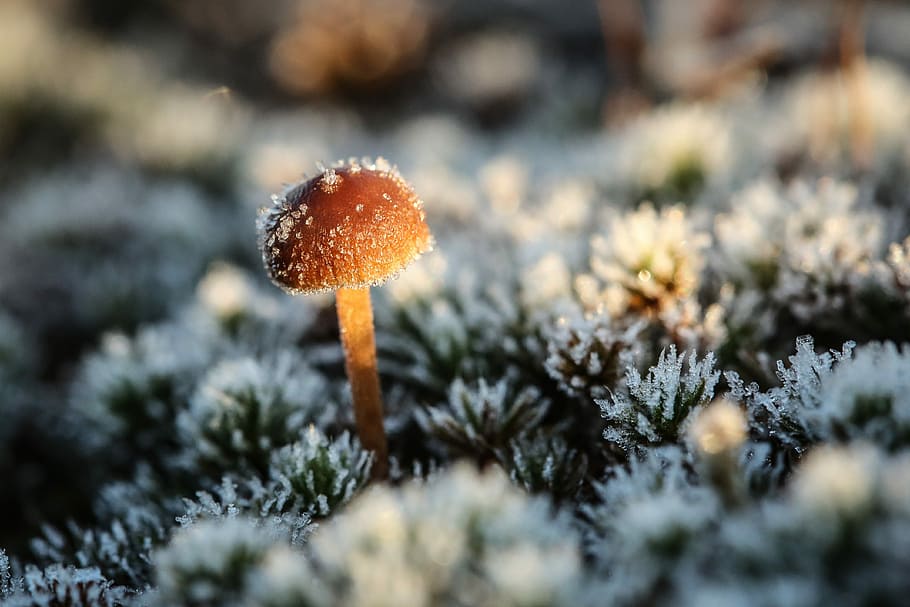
(853, 64)
(355, 320)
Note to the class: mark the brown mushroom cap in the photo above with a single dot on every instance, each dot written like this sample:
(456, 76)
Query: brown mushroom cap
(353, 226)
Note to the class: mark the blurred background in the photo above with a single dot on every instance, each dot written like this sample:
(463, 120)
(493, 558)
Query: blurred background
(125, 125)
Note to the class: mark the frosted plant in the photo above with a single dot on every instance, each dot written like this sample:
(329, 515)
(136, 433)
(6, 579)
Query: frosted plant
(131, 518)
(654, 409)
(649, 265)
(475, 328)
(120, 551)
(647, 260)
(836, 482)
(243, 408)
(808, 249)
(110, 264)
(60, 586)
(95, 215)
(132, 389)
(648, 519)
(588, 353)
(258, 320)
(460, 538)
(676, 151)
(232, 562)
(656, 533)
(428, 346)
(840, 523)
(8, 583)
(311, 477)
(866, 397)
(546, 282)
(226, 291)
(814, 229)
(662, 469)
(749, 238)
(423, 280)
(479, 419)
(780, 414)
(543, 465)
(320, 473)
(265, 504)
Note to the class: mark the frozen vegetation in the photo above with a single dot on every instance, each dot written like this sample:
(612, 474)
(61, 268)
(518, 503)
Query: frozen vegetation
(662, 363)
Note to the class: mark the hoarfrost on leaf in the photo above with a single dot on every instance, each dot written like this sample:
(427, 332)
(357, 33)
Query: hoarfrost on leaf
(655, 409)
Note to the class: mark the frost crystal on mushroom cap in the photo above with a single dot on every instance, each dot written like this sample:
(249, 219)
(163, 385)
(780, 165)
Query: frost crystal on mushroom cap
(353, 226)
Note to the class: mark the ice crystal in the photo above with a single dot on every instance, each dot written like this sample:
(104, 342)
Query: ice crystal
(8, 584)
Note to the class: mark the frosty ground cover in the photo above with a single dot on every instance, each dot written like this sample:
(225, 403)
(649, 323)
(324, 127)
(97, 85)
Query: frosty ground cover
(656, 364)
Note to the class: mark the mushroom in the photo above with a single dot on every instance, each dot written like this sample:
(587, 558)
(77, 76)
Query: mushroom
(353, 226)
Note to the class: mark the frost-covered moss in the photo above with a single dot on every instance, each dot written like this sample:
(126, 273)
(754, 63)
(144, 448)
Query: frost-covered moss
(461, 537)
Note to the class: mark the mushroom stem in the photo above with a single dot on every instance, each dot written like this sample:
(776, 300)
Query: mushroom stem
(355, 321)
(852, 58)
